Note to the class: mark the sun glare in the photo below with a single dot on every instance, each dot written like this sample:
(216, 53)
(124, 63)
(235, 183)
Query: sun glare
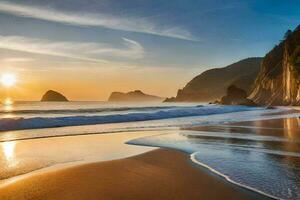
(8, 102)
(8, 80)
(8, 149)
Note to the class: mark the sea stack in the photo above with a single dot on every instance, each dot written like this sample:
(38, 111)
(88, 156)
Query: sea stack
(236, 96)
(51, 95)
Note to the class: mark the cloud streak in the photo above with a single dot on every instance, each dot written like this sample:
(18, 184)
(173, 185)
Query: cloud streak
(94, 52)
(18, 59)
(132, 24)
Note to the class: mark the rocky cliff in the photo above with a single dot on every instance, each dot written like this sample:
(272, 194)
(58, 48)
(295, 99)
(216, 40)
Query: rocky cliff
(278, 80)
(133, 96)
(51, 95)
(212, 84)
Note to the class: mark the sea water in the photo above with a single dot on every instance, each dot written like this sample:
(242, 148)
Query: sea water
(265, 163)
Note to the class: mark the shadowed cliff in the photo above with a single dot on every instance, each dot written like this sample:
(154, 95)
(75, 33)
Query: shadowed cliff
(212, 84)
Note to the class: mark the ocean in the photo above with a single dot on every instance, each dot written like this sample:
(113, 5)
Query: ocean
(220, 138)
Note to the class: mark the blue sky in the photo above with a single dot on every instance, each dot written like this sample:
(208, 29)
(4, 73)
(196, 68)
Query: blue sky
(176, 38)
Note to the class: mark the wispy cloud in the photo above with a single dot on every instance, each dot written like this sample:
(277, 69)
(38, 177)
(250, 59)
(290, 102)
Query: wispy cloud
(134, 50)
(18, 59)
(91, 51)
(132, 24)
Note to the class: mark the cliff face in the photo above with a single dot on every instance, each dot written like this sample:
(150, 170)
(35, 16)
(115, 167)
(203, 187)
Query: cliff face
(278, 80)
(133, 96)
(212, 84)
(51, 95)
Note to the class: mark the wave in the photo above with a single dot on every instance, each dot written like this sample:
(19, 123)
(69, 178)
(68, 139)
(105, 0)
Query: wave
(87, 110)
(47, 122)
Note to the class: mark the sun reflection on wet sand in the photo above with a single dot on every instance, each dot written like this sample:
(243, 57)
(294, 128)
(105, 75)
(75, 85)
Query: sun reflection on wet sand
(291, 128)
(8, 149)
(18, 158)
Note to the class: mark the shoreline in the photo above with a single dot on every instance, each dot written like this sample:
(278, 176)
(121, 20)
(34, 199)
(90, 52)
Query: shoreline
(252, 192)
(17, 159)
(150, 175)
(227, 180)
(172, 167)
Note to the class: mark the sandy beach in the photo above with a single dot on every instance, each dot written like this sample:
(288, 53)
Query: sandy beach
(149, 100)
(111, 169)
(158, 174)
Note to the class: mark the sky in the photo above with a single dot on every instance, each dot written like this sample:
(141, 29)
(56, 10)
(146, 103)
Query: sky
(87, 49)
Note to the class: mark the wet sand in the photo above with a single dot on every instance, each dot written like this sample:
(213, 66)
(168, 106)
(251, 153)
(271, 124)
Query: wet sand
(158, 174)
(25, 157)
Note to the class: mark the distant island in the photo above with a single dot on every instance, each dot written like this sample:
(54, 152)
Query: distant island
(51, 95)
(133, 96)
(212, 84)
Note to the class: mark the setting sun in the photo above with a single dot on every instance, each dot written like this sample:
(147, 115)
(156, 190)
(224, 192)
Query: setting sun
(8, 79)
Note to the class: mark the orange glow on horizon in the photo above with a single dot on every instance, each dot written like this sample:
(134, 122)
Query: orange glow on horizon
(91, 85)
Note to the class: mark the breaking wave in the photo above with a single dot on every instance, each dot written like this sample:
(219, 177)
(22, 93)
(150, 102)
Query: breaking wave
(154, 114)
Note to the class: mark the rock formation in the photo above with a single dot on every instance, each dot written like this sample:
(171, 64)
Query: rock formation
(212, 84)
(236, 96)
(133, 96)
(51, 95)
(278, 80)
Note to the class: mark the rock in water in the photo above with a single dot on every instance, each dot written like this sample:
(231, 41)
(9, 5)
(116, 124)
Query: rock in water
(278, 82)
(133, 96)
(236, 96)
(51, 95)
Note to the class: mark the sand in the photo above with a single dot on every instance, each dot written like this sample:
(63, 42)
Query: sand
(24, 157)
(158, 174)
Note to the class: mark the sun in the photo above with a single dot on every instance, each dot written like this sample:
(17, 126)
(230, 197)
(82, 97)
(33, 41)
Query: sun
(8, 79)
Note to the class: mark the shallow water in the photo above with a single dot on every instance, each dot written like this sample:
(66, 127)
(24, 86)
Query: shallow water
(266, 159)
